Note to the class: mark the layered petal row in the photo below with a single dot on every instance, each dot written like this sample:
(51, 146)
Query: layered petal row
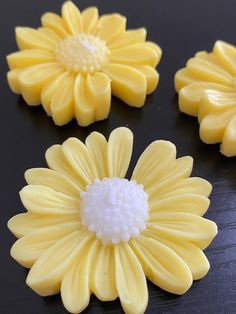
(207, 90)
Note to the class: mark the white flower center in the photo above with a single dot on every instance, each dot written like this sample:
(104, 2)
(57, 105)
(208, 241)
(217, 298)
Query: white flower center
(82, 52)
(114, 209)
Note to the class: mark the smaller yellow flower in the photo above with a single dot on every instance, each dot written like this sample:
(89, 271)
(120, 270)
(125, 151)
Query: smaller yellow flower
(89, 230)
(207, 90)
(73, 63)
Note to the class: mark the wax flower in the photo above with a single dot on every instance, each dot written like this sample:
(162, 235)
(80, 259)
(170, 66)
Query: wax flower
(88, 229)
(207, 90)
(74, 62)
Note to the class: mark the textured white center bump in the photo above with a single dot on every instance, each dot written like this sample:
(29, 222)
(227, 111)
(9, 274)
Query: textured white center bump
(82, 52)
(114, 209)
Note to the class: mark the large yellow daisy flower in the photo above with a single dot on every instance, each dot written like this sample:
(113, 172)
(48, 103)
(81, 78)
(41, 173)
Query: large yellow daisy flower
(207, 90)
(89, 230)
(73, 63)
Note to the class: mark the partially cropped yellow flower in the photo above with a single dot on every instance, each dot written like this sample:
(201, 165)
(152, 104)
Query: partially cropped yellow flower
(207, 90)
(89, 230)
(72, 64)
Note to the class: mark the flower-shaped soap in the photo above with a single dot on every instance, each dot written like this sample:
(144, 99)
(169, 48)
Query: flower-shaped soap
(87, 229)
(207, 90)
(72, 64)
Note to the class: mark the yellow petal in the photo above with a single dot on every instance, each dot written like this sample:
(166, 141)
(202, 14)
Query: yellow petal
(75, 290)
(127, 38)
(110, 26)
(193, 185)
(154, 163)
(151, 75)
(13, 80)
(213, 59)
(181, 169)
(92, 96)
(62, 102)
(29, 38)
(48, 271)
(154, 47)
(51, 89)
(228, 146)
(213, 101)
(72, 17)
(190, 96)
(33, 79)
(97, 147)
(40, 199)
(127, 84)
(99, 94)
(188, 203)
(162, 265)
(84, 108)
(29, 57)
(210, 57)
(27, 249)
(226, 54)
(26, 223)
(54, 22)
(103, 283)
(80, 160)
(130, 280)
(193, 257)
(184, 77)
(209, 72)
(120, 145)
(56, 160)
(196, 229)
(52, 179)
(135, 54)
(89, 19)
(213, 126)
(50, 33)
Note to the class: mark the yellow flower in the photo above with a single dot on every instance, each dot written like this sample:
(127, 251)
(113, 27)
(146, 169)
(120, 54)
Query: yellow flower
(72, 64)
(89, 230)
(207, 90)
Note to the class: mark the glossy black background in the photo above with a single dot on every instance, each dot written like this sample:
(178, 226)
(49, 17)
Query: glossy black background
(181, 28)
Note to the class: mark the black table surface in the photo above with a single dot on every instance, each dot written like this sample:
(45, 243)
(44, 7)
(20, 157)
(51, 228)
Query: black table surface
(181, 28)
